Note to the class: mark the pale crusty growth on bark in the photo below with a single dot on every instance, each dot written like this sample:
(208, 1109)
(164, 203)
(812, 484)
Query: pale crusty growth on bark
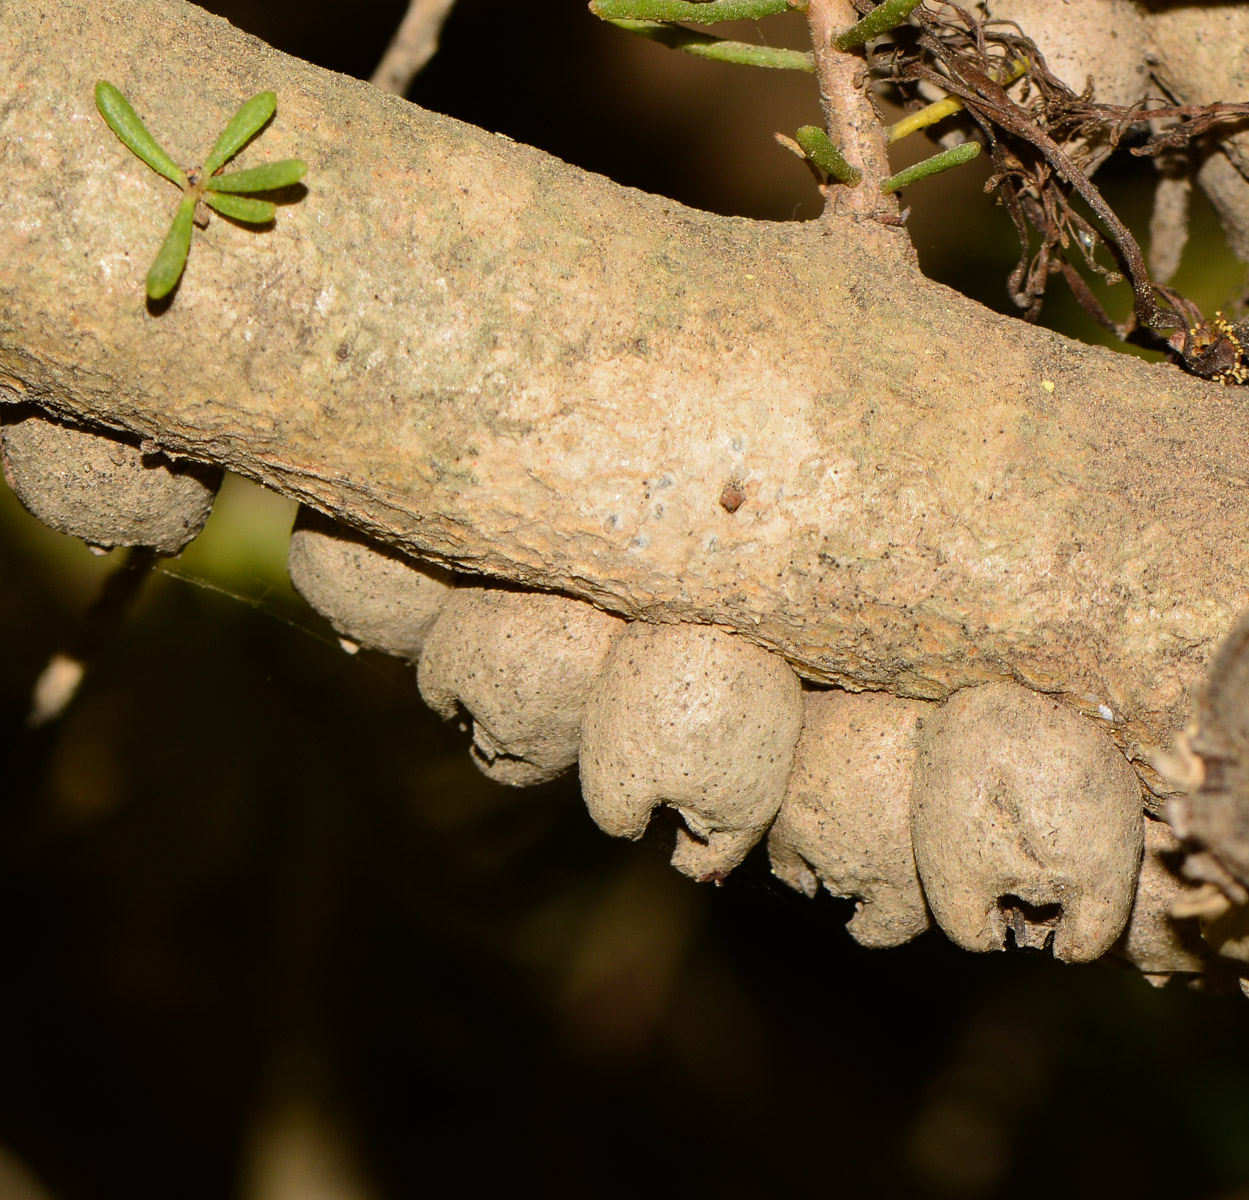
(105, 491)
(846, 819)
(1026, 822)
(474, 352)
(1154, 941)
(701, 721)
(372, 595)
(522, 664)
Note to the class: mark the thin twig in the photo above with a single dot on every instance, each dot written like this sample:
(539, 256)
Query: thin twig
(853, 123)
(1168, 222)
(414, 44)
(58, 682)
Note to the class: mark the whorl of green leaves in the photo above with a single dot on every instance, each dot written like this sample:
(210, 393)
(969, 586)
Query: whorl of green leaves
(166, 268)
(243, 126)
(242, 208)
(217, 191)
(264, 178)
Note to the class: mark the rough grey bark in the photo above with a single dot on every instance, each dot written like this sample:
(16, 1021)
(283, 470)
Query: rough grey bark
(482, 355)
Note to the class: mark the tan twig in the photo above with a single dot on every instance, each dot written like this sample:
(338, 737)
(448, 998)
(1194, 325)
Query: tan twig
(853, 124)
(59, 681)
(1168, 223)
(414, 44)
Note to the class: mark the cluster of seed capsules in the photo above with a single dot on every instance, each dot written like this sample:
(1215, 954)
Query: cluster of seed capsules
(1000, 814)
(1215, 350)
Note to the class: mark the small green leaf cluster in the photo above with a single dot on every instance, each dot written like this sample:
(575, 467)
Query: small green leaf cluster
(655, 19)
(229, 194)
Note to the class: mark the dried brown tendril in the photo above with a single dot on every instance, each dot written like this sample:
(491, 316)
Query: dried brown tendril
(1039, 143)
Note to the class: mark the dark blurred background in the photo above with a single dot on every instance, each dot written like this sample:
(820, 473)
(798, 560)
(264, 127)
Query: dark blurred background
(268, 934)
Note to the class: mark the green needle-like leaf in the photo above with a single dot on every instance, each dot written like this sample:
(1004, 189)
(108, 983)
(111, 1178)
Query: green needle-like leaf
(125, 123)
(260, 179)
(707, 45)
(242, 208)
(682, 10)
(243, 126)
(881, 19)
(955, 156)
(167, 268)
(819, 148)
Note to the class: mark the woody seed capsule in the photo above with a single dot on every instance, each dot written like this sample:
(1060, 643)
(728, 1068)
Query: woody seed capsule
(101, 487)
(698, 719)
(522, 665)
(1027, 824)
(846, 819)
(372, 595)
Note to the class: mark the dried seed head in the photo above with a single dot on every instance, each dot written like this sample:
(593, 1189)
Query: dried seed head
(521, 663)
(1027, 824)
(846, 819)
(698, 719)
(103, 489)
(375, 596)
(1155, 941)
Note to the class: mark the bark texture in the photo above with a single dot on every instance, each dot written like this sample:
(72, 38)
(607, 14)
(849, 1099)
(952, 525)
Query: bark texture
(479, 354)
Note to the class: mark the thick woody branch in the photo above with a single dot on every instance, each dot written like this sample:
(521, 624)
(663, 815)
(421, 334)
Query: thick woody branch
(482, 355)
